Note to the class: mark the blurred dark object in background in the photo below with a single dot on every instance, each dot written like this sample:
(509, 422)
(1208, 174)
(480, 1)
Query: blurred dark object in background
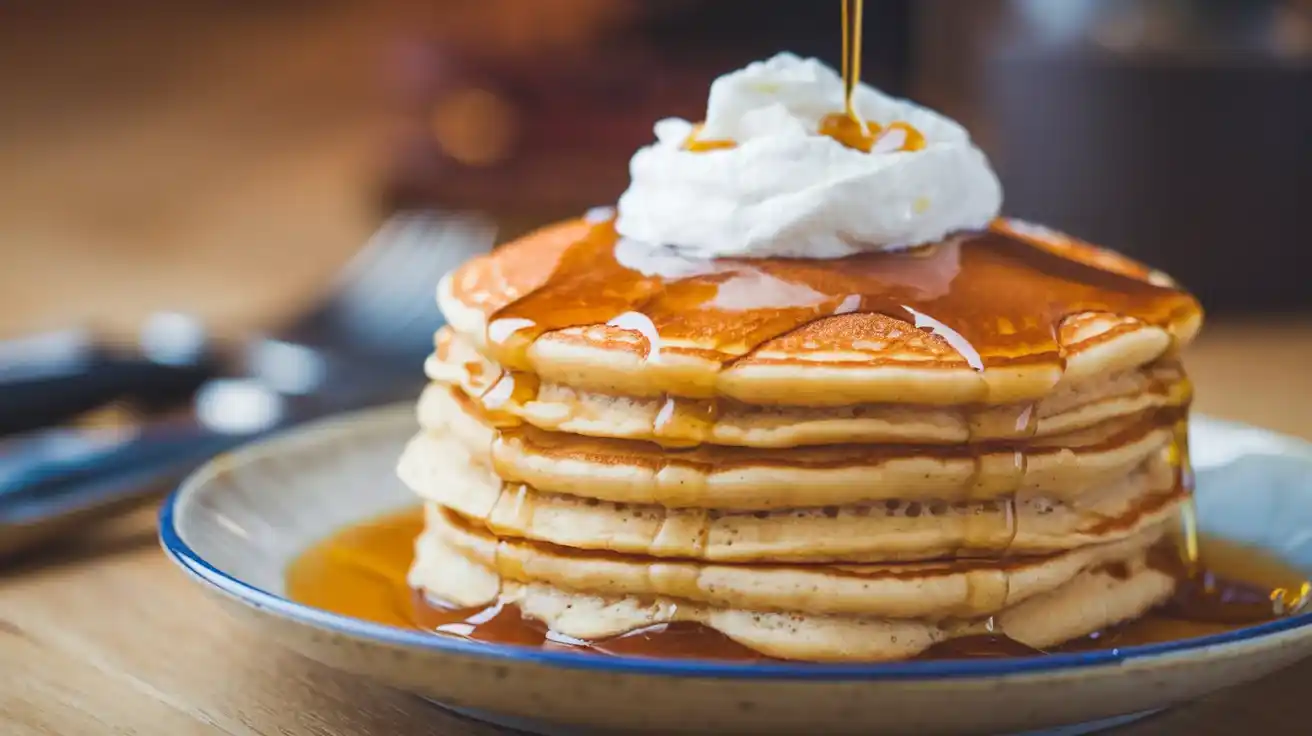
(534, 135)
(1179, 131)
(52, 377)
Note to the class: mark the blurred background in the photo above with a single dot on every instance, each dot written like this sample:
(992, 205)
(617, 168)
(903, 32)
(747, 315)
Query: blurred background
(227, 160)
(228, 157)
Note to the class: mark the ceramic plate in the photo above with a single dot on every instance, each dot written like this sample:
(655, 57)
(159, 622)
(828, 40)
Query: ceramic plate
(236, 524)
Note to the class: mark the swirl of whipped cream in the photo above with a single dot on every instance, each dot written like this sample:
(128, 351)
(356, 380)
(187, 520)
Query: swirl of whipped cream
(784, 190)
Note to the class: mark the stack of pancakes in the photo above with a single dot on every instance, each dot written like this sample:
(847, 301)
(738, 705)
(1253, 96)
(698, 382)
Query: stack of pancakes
(850, 486)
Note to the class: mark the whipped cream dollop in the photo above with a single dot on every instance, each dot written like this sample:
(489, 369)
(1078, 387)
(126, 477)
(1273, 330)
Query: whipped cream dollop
(774, 186)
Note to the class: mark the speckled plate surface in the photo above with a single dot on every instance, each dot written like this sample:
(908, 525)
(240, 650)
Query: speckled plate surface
(235, 525)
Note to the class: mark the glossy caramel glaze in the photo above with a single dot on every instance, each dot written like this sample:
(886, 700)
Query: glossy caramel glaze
(996, 298)
(361, 572)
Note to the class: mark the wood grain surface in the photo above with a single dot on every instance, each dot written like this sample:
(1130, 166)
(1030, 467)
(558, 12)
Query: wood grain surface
(241, 210)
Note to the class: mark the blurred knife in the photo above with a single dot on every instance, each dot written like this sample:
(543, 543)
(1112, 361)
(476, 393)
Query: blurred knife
(52, 377)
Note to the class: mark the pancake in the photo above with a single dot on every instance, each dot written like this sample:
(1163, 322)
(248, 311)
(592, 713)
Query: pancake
(842, 460)
(938, 590)
(983, 318)
(441, 472)
(1091, 600)
(565, 408)
(624, 471)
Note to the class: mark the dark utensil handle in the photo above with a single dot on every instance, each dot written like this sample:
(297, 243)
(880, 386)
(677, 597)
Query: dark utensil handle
(45, 401)
(37, 515)
(55, 486)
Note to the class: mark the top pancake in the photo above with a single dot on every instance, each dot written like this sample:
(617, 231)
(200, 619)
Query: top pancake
(981, 318)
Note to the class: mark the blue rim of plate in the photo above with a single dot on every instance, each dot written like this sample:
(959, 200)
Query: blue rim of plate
(193, 563)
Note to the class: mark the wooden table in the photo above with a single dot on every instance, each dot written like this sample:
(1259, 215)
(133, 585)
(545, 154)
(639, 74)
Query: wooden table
(106, 637)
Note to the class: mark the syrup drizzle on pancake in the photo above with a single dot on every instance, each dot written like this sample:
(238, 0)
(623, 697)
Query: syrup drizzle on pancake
(998, 298)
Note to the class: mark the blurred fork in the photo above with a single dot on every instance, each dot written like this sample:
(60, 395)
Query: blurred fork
(383, 300)
(362, 346)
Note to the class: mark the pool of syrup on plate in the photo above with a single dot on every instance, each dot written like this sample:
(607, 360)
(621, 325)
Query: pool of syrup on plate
(360, 572)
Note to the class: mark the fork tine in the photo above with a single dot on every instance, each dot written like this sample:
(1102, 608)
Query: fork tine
(383, 301)
(392, 299)
(366, 260)
(377, 261)
(415, 253)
